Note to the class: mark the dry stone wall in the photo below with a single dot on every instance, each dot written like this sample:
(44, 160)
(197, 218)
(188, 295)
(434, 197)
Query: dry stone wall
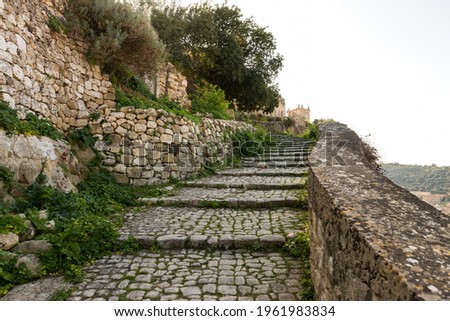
(371, 239)
(147, 146)
(46, 72)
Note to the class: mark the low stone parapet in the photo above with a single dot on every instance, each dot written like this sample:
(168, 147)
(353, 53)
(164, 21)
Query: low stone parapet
(371, 239)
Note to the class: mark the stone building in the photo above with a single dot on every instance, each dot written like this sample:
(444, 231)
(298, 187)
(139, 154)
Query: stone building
(280, 111)
(300, 114)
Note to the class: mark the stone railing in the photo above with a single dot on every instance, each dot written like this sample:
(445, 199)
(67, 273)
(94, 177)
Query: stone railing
(371, 239)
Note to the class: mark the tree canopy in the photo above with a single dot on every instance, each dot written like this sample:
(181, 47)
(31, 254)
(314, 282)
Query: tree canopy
(217, 45)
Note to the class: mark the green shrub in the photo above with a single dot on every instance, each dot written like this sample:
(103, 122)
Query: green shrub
(82, 137)
(249, 143)
(12, 223)
(120, 36)
(10, 122)
(7, 177)
(10, 274)
(138, 100)
(82, 240)
(299, 247)
(56, 24)
(42, 127)
(311, 131)
(211, 100)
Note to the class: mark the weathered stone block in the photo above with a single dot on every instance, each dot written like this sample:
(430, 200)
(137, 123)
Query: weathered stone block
(134, 172)
(8, 241)
(168, 242)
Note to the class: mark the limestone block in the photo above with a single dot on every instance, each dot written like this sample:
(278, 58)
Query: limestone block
(8, 241)
(140, 128)
(33, 247)
(134, 172)
(166, 138)
(121, 131)
(32, 263)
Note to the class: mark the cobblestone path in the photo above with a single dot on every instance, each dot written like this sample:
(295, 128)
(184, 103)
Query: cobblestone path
(217, 238)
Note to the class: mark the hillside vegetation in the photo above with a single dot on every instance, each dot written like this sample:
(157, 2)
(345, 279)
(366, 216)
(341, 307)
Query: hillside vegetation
(433, 179)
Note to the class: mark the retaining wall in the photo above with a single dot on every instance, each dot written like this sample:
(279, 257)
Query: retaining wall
(142, 147)
(46, 72)
(371, 239)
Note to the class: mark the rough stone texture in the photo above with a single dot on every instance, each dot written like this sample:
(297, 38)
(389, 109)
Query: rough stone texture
(178, 275)
(229, 197)
(371, 239)
(150, 146)
(171, 83)
(207, 253)
(45, 72)
(27, 156)
(8, 241)
(39, 290)
(33, 247)
(246, 226)
(32, 262)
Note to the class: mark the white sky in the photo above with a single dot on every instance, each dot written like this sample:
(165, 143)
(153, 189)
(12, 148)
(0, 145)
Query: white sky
(380, 66)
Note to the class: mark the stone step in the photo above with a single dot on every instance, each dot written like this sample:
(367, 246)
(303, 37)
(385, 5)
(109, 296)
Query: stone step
(285, 152)
(276, 158)
(287, 144)
(270, 172)
(249, 182)
(228, 198)
(219, 228)
(279, 164)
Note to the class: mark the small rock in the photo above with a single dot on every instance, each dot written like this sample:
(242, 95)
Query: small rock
(33, 247)
(29, 233)
(8, 241)
(43, 215)
(32, 263)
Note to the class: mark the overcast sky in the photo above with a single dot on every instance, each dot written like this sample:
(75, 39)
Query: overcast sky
(380, 66)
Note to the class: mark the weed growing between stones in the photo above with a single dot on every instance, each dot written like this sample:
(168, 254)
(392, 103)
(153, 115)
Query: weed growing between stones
(61, 295)
(299, 247)
(7, 177)
(214, 204)
(56, 24)
(32, 125)
(249, 143)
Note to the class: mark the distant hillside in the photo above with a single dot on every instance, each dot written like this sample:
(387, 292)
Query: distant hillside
(431, 179)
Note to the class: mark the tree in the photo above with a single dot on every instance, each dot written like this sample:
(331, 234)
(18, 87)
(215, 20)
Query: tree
(218, 45)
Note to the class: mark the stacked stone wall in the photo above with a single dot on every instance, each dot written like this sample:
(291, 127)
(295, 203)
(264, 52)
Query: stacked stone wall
(371, 239)
(45, 72)
(147, 146)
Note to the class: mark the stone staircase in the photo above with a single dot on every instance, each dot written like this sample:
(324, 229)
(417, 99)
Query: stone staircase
(215, 238)
(240, 207)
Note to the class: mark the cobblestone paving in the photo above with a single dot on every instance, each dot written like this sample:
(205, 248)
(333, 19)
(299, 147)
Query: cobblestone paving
(192, 275)
(249, 182)
(158, 221)
(208, 238)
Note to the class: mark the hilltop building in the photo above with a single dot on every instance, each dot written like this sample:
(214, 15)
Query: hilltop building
(280, 111)
(300, 114)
